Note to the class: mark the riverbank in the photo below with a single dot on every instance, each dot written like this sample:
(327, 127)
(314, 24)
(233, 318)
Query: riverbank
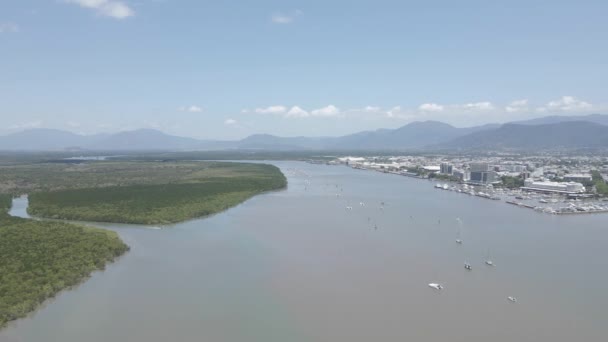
(138, 192)
(38, 259)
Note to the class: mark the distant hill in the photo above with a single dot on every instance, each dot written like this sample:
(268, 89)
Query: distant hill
(595, 118)
(411, 136)
(414, 135)
(562, 135)
(45, 139)
(144, 139)
(546, 132)
(272, 142)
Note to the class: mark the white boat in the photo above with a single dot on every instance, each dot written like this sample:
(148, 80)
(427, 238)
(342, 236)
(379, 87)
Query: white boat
(468, 266)
(458, 238)
(512, 299)
(489, 261)
(436, 286)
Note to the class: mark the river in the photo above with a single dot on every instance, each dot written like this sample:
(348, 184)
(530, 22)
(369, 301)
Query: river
(296, 265)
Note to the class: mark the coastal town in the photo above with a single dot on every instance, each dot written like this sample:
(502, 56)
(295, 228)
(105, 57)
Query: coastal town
(545, 184)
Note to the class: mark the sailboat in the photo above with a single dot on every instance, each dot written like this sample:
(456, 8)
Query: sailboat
(489, 261)
(458, 238)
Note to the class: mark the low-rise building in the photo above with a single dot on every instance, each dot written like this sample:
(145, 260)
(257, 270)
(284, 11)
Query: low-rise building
(578, 177)
(556, 187)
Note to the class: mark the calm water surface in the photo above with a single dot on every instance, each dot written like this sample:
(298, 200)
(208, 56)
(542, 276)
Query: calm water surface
(296, 265)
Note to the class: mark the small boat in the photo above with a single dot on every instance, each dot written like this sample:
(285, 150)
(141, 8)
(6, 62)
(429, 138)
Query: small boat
(489, 261)
(436, 286)
(512, 299)
(468, 266)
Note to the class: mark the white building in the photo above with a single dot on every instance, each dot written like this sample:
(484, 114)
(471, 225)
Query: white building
(545, 186)
(577, 177)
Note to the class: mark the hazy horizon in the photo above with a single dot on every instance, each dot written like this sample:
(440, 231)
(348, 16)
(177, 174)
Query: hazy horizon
(264, 133)
(290, 68)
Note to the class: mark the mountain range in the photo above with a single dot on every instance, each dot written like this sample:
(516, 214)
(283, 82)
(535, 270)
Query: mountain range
(550, 132)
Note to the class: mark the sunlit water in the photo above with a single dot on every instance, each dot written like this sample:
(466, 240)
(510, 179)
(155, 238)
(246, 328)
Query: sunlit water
(296, 265)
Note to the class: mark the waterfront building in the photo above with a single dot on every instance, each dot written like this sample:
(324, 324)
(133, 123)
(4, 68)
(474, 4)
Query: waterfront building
(483, 177)
(446, 168)
(578, 177)
(555, 187)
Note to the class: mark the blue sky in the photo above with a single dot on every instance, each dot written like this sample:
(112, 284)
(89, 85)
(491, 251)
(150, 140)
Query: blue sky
(227, 69)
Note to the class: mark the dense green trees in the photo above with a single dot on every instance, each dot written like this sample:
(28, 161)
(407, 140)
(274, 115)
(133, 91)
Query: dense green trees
(40, 258)
(5, 202)
(200, 193)
(512, 182)
(600, 185)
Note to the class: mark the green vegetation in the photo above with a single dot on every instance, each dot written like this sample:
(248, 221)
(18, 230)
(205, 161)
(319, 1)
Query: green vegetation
(439, 176)
(512, 182)
(600, 185)
(40, 258)
(162, 193)
(6, 202)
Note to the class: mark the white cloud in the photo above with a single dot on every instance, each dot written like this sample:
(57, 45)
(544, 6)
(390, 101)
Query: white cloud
(297, 112)
(26, 125)
(395, 112)
(271, 110)
(73, 124)
(517, 106)
(478, 106)
(330, 110)
(9, 28)
(191, 109)
(285, 18)
(110, 8)
(430, 107)
(566, 104)
(230, 122)
(372, 109)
